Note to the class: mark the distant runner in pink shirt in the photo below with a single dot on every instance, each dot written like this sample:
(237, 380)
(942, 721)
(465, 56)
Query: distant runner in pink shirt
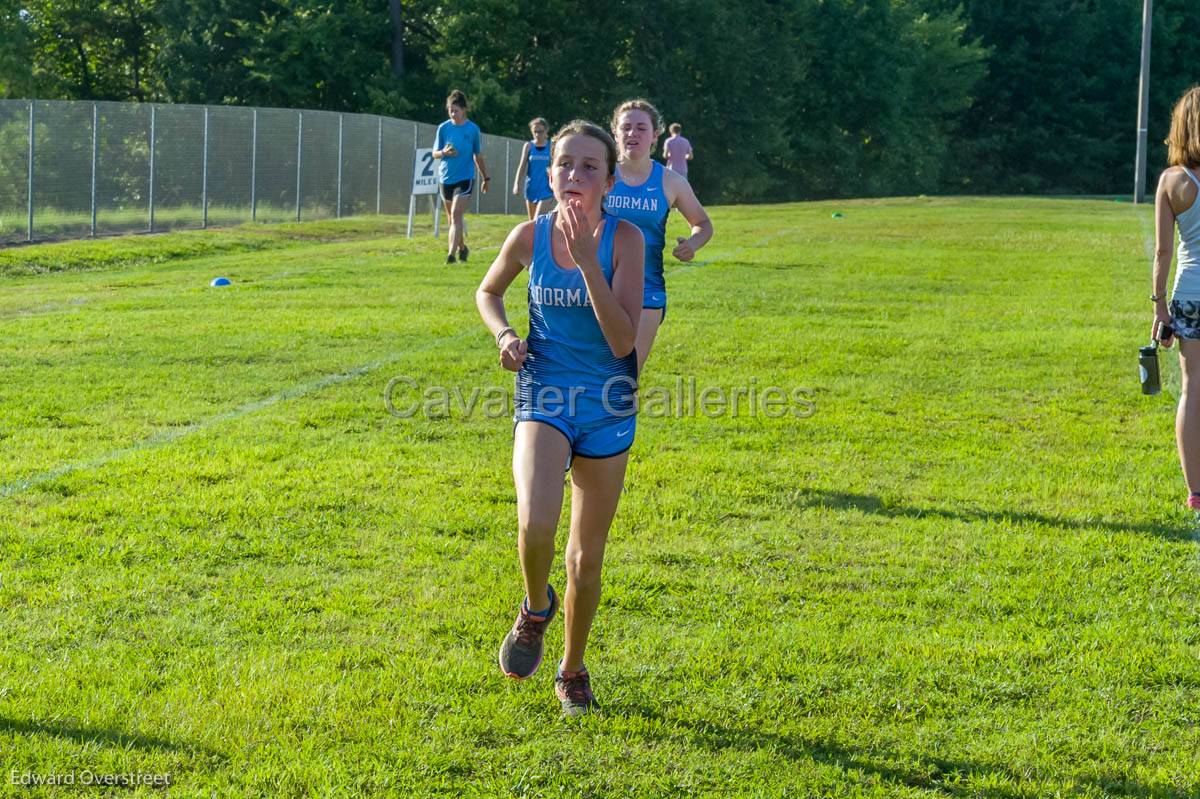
(677, 150)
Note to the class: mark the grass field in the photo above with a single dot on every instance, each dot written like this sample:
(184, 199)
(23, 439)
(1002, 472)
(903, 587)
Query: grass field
(968, 573)
(51, 223)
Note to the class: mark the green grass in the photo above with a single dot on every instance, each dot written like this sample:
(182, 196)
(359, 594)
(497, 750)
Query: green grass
(52, 223)
(967, 574)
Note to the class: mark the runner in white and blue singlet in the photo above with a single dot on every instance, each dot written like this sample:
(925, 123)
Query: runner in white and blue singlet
(645, 205)
(532, 178)
(576, 394)
(567, 352)
(644, 193)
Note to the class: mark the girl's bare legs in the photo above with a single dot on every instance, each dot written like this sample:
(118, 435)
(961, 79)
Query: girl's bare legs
(448, 206)
(537, 208)
(540, 455)
(647, 330)
(595, 490)
(454, 218)
(1187, 418)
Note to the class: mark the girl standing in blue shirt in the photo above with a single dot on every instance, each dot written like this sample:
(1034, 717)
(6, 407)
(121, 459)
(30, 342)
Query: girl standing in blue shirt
(575, 398)
(458, 147)
(533, 169)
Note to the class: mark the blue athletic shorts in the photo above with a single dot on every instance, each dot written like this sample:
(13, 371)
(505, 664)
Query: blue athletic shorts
(595, 439)
(549, 195)
(654, 299)
(597, 423)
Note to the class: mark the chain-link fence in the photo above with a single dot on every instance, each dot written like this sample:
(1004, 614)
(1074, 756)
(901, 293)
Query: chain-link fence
(76, 169)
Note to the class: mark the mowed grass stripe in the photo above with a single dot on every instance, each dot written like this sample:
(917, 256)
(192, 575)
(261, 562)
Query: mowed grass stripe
(967, 574)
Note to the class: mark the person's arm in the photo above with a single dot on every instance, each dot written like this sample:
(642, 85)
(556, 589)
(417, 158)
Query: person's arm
(484, 177)
(666, 153)
(680, 195)
(477, 146)
(438, 144)
(520, 177)
(618, 307)
(688, 155)
(1164, 241)
(515, 255)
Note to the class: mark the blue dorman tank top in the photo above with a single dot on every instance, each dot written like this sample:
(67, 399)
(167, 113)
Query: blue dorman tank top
(645, 206)
(567, 348)
(537, 179)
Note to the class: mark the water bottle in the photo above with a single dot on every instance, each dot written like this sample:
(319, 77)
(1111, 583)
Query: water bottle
(1148, 368)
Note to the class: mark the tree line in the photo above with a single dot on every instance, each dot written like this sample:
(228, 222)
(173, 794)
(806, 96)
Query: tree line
(783, 99)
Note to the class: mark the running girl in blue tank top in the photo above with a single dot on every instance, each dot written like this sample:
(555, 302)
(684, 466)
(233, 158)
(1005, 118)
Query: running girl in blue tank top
(532, 169)
(576, 394)
(644, 193)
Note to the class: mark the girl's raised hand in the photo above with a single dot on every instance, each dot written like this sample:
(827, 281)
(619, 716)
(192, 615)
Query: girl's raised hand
(580, 241)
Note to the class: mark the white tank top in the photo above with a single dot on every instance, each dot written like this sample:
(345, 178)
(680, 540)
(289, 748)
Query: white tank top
(1187, 262)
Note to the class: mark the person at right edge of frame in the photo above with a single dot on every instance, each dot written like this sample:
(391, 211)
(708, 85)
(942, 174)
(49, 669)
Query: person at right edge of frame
(1176, 206)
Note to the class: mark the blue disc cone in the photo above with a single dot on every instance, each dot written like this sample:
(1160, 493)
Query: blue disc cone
(220, 281)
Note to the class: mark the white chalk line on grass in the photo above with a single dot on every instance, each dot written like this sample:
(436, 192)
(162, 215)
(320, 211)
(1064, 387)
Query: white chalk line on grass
(174, 434)
(44, 308)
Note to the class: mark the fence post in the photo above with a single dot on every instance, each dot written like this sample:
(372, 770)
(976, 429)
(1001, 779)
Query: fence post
(254, 168)
(338, 215)
(204, 170)
(507, 154)
(299, 157)
(153, 119)
(29, 178)
(436, 197)
(379, 170)
(95, 158)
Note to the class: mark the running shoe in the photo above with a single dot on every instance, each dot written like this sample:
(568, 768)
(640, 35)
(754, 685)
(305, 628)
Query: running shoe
(450, 258)
(521, 652)
(1193, 502)
(574, 689)
(463, 253)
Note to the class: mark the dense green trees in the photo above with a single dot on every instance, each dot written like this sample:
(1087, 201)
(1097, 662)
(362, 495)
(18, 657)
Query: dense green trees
(782, 98)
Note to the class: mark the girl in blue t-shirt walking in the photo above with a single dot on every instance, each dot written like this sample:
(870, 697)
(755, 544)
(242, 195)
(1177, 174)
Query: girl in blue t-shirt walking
(458, 147)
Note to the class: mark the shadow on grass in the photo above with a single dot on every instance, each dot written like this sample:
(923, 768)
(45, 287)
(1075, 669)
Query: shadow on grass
(818, 498)
(940, 775)
(107, 737)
